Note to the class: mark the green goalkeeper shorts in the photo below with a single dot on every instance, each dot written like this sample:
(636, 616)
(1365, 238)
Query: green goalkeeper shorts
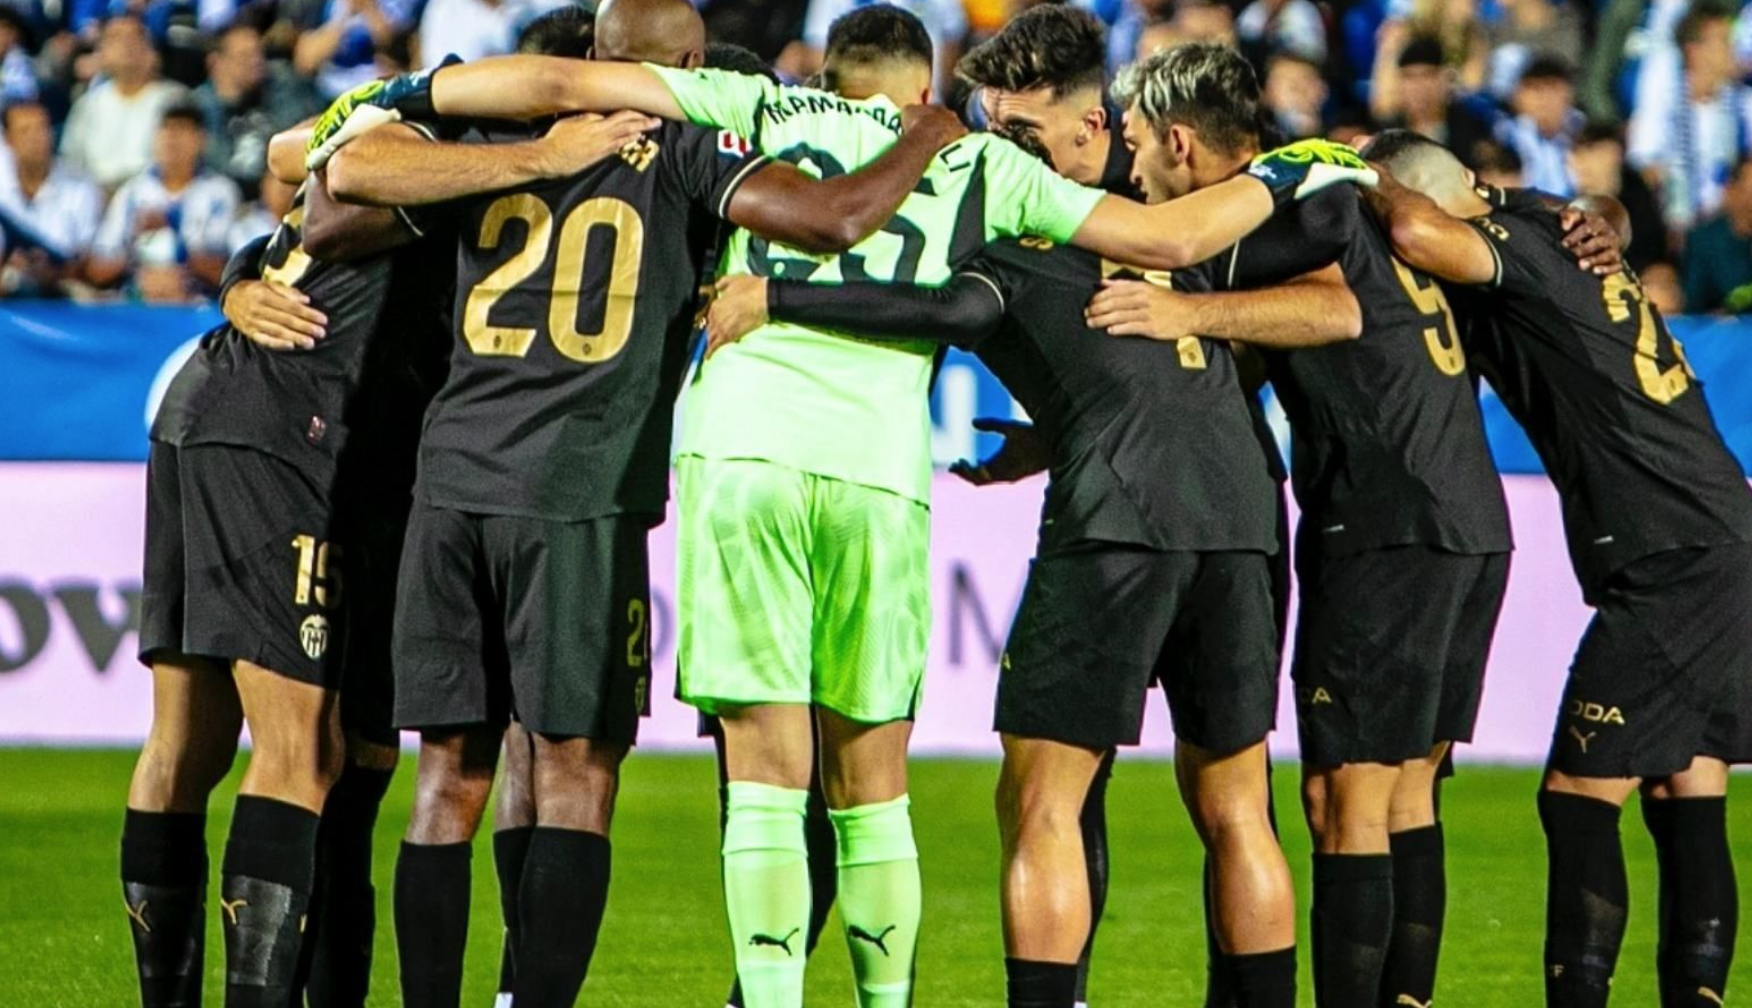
(798, 588)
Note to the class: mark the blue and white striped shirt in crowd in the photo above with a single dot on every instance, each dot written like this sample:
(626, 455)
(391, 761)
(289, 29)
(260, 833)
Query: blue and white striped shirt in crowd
(1694, 145)
(1544, 159)
(64, 213)
(198, 218)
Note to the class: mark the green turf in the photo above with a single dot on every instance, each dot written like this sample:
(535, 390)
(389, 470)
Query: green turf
(64, 940)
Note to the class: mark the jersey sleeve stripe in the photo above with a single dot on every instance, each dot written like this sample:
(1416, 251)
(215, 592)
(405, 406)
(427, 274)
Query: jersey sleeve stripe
(754, 164)
(992, 284)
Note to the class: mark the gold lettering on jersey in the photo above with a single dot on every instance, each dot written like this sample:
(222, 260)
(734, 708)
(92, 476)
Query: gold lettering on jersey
(1494, 229)
(1189, 348)
(623, 280)
(296, 263)
(638, 638)
(315, 580)
(1035, 242)
(640, 153)
(482, 336)
(1428, 298)
(1596, 713)
(1624, 299)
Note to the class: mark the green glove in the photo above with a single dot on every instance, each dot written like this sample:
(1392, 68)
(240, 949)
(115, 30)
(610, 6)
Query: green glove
(1305, 167)
(368, 106)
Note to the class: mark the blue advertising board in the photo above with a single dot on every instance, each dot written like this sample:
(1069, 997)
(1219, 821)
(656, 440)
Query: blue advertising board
(80, 383)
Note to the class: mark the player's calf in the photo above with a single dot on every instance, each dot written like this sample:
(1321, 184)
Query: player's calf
(1353, 880)
(513, 822)
(341, 929)
(1587, 892)
(1686, 814)
(1420, 884)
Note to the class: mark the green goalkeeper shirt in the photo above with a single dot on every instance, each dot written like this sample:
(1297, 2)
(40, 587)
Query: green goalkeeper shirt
(832, 405)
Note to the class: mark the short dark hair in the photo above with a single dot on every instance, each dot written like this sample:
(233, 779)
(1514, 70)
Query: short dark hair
(1387, 145)
(184, 112)
(1424, 50)
(567, 31)
(1209, 87)
(1547, 68)
(738, 59)
(1697, 17)
(1053, 45)
(876, 33)
(1490, 156)
(1598, 131)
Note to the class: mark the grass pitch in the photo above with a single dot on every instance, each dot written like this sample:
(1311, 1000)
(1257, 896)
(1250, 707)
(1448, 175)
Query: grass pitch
(64, 938)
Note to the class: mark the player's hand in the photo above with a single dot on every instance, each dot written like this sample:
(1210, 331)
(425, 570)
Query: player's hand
(943, 125)
(739, 308)
(273, 315)
(1299, 170)
(1136, 308)
(574, 143)
(1023, 453)
(1594, 241)
(372, 104)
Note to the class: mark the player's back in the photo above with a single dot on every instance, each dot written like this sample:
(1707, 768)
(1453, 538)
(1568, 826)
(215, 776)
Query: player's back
(815, 392)
(573, 313)
(1388, 444)
(1589, 368)
(1152, 441)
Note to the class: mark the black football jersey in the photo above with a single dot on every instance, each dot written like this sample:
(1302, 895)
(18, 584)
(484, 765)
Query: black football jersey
(356, 397)
(574, 306)
(1152, 442)
(1588, 368)
(1387, 444)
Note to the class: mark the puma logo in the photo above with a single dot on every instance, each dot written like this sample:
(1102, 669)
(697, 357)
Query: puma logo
(138, 915)
(1407, 1001)
(768, 940)
(1582, 740)
(1709, 995)
(878, 940)
(231, 909)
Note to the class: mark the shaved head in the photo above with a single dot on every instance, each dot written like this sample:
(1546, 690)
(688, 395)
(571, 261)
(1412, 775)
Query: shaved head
(1423, 165)
(668, 32)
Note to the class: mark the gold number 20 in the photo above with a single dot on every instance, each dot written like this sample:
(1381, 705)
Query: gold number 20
(563, 296)
(1624, 296)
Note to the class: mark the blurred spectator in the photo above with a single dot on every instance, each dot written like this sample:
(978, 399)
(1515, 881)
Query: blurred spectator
(1189, 21)
(1526, 30)
(18, 80)
(169, 226)
(245, 102)
(1543, 125)
(59, 207)
(110, 129)
(1453, 23)
(263, 215)
(945, 21)
(1421, 98)
(1272, 26)
(1718, 254)
(765, 27)
(1597, 162)
(1294, 94)
(1497, 165)
(1661, 283)
(1687, 137)
(1631, 36)
(340, 38)
(474, 28)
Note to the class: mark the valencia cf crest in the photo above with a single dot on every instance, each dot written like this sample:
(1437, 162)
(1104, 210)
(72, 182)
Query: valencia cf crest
(313, 633)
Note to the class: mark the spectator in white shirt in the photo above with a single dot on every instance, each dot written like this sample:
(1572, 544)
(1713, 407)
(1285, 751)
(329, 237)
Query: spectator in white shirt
(475, 28)
(58, 207)
(169, 226)
(1544, 125)
(1687, 136)
(109, 131)
(1271, 26)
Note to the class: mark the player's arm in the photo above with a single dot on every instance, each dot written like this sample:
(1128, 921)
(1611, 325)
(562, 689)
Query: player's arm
(1311, 310)
(1428, 238)
(962, 312)
(400, 166)
(530, 87)
(338, 232)
(286, 153)
(829, 216)
(272, 314)
(1596, 228)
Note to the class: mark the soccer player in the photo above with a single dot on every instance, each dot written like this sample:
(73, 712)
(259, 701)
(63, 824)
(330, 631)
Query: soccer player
(542, 467)
(264, 468)
(777, 592)
(1658, 520)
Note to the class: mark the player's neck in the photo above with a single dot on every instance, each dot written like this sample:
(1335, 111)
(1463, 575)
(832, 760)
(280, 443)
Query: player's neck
(1229, 166)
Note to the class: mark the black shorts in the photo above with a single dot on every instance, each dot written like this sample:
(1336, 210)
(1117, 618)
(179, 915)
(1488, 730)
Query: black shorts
(503, 616)
(240, 565)
(1664, 672)
(1391, 646)
(374, 547)
(1100, 622)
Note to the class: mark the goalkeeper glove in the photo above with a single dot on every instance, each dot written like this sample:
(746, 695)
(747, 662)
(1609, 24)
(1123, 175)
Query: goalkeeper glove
(368, 106)
(1301, 169)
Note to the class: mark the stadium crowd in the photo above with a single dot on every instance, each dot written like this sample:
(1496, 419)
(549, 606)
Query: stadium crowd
(136, 130)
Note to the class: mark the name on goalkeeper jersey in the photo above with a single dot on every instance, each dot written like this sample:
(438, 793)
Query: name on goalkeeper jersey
(786, 106)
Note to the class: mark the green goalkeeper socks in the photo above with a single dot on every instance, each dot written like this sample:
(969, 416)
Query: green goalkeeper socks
(879, 899)
(766, 891)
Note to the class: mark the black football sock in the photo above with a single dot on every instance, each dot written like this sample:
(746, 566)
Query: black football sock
(1699, 899)
(164, 890)
(1264, 979)
(559, 906)
(1658, 818)
(1420, 902)
(510, 849)
(1352, 924)
(270, 866)
(1587, 899)
(1093, 823)
(343, 911)
(1219, 965)
(1040, 984)
(431, 922)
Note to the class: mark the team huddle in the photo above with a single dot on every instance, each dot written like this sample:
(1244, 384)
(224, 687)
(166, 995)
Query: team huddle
(408, 486)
